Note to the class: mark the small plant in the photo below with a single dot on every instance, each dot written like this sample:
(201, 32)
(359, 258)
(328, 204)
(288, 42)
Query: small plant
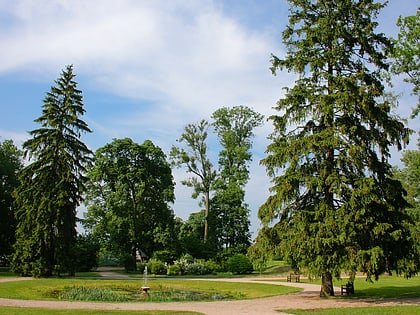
(239, 264)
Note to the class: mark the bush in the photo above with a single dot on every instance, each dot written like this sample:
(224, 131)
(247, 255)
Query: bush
(173, 270)
(184, 261)
(239, 264)
(164, 255)
(129, 262)
(196, 269)
(212, 266)
(156, 267)
(86, 253)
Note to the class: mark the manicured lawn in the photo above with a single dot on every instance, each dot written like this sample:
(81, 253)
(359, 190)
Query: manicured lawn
(378, 310)
(49, 289)
(43, 311)
(386, 287)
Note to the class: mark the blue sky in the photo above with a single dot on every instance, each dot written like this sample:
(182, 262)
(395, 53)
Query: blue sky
(148, 68)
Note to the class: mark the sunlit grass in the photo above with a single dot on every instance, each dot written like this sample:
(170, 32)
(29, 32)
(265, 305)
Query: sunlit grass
(50, 289)
(377, 310)
(44, 311)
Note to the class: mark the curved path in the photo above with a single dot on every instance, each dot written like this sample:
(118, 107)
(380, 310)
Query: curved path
(308, 299)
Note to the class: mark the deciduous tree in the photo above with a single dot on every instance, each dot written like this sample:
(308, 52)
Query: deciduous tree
(234, 128)
(194, 156)
(407, 53)
(338, 207)
(10, 164)
(130, 189)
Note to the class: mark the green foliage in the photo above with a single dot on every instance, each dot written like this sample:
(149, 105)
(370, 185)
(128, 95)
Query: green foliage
(165, 255)
(263, 248)
(212, 266)
(91, 294)
(52, 185)
(239, 264)
(407, 53)
(156, 267)
(334, 202)
(87, 252)
(130, 188)
(196, 269)
(229, 213)
(10, 165)
(194, 157)
(173, 270)
(129, 262)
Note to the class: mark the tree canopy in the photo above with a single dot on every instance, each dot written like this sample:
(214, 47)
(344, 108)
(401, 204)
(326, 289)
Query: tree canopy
(333, 199)
(130, 189)
(192, 153)
(407, 53)
(10, 164)
(234, 127)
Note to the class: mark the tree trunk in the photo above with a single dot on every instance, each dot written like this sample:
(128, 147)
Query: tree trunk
(327, 288)
(206, 223)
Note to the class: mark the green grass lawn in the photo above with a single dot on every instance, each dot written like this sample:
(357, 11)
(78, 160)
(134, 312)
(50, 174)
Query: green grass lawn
(44, 311)
(377, 310)
(49, 289)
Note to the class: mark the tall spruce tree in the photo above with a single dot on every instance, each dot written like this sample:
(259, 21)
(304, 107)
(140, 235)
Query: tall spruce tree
(51, 186)
(335, 203)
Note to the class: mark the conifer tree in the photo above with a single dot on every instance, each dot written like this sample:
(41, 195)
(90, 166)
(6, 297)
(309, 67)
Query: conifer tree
(51, 186)
(333, 199)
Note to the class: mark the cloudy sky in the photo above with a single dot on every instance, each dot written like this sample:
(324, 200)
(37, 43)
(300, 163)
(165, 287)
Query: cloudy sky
(148, 68)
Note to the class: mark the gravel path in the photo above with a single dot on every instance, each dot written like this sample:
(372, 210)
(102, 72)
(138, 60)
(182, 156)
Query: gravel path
(308, 299)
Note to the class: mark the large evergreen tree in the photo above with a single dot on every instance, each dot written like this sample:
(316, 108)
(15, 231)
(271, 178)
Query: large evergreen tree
(10, 164)
(336, 205)
(51, 187)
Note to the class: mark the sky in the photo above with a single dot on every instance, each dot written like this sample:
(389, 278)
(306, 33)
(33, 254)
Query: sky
(148, 68)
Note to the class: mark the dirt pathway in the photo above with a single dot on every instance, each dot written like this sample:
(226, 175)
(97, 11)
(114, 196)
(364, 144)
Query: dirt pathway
(308, 299)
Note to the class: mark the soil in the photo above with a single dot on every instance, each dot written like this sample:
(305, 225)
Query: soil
(307, 299)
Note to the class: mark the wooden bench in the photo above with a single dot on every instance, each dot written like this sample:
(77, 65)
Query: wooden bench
(293, 276)
(347, 289)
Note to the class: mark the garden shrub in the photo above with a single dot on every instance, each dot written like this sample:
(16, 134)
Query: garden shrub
(156, 267)
(129, 262)
(196, 269)
(239, 264)
(173, 270)
(212, 266)
(166, 256)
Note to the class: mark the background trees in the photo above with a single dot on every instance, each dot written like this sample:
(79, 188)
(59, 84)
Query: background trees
(407, 53)
(234, 128)
(226, 217)
(10, 165)
(337, 205)
(130, 189)
(51, 187)
(194, 156)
